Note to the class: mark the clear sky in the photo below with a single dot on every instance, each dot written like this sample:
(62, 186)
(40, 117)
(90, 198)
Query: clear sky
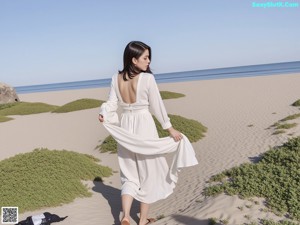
(50, 41)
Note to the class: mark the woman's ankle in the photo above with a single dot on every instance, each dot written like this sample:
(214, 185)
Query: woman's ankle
(143, 222)
(126, 218)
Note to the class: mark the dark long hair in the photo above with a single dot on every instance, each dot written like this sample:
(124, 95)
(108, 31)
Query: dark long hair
(134, 49)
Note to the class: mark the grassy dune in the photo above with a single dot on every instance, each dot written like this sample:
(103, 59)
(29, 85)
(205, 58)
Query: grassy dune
(275, 177)
(46, 178)
(28, 108)
(25, 108)
(80, 104)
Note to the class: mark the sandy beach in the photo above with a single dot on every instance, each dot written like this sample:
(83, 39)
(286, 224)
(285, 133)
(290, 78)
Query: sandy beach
(236, 111)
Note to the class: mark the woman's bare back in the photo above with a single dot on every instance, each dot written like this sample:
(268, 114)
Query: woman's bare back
(128, 89)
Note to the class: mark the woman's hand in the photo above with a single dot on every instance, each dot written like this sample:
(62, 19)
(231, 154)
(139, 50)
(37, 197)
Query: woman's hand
(175, 134)
(100, 118)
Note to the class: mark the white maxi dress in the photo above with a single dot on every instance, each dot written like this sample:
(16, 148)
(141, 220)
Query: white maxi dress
(145, 174)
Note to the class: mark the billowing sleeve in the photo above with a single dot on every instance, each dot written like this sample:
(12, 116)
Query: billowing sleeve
(111, 105)
(156, 104)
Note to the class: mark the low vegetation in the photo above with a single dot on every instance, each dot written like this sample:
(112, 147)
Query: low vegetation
(282, 222)
(80, 104)
(25, 108)
(5, 119)
(170, 95)
(215, 221)
(280, 126)
(7, 105)
(212, 221)
(108, 145)
(286, 126)
(275, 177)
(291, 117)
(193, 129)
(296, 103)
(47, 178)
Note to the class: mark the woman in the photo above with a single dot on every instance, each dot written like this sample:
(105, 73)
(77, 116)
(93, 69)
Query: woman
(135, 89)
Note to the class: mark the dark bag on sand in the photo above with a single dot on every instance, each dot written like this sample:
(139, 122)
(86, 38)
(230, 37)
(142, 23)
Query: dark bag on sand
(44, 219)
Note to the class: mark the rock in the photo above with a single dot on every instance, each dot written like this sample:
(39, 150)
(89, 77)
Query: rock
(7, 94)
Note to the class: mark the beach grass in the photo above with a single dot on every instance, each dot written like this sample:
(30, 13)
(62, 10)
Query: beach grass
(80, 104)
(47, 178)
(7, 105)
(193, 129)
(286, 126)
(278, 132)
(212, 221)
(296, 103)
(170, 95)
(108, 145)
(281, 222)
(5, 119)
(25, 108)
(275, 177)
(291, 117)
(280, 127)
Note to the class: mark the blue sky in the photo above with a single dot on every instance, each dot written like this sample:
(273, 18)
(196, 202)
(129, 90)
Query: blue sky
(50, 41)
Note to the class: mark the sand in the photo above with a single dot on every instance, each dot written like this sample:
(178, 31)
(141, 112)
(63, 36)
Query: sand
(237, 112)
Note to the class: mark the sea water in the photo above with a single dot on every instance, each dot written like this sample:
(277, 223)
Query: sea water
(219, 73)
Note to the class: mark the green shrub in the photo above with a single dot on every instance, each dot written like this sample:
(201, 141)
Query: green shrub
(278, 132)
(25, 108)
(275, 124)
(80, 104)
(108, 145)
(217, 177)
(282, 222)
(212, 221)
(170, 95)
(251, 223)
(193, 129)
(5, 119)
(296, 103)
(45, 178)
(286, 126)
(7, 105)
(275, 177)
(224, 221)
(280, 126)
(291, 117)
(214, 190)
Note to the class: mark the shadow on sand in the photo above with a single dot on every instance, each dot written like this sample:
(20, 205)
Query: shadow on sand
(190, 220)
(113, 197)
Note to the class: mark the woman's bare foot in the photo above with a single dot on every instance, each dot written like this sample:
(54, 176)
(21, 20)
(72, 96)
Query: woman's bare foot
(125, 221)
(148, 221)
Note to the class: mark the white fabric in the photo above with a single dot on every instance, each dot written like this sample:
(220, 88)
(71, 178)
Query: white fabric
(37, 219)
(145, 174)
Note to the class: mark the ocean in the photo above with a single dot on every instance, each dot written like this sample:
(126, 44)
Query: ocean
(208, 74)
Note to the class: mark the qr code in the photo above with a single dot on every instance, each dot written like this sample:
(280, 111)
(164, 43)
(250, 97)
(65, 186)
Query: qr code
(9, 215)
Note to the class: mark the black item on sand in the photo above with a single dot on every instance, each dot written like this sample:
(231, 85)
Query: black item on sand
(44, 219)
